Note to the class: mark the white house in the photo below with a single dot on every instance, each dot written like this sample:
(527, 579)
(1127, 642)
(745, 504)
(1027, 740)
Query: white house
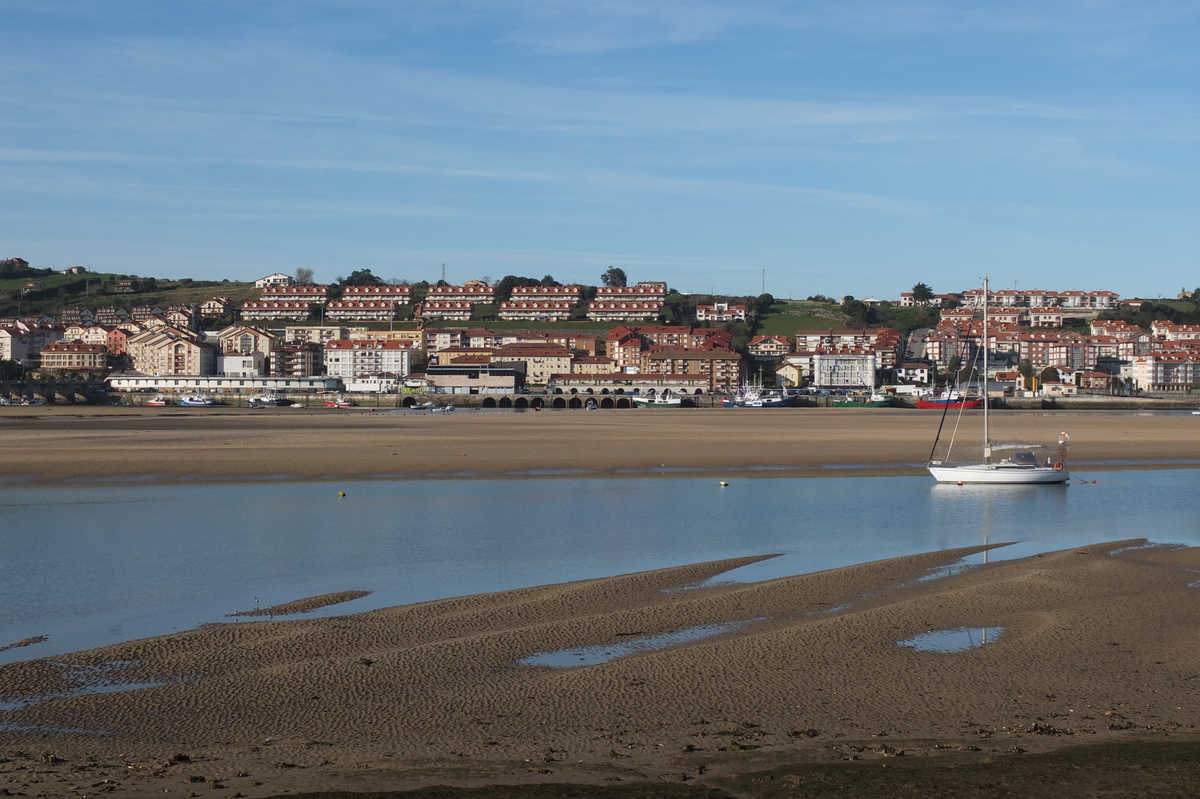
(277, 279)
(238, 365)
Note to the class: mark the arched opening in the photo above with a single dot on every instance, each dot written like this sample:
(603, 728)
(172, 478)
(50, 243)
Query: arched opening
(408, 402)
(520, 402)
(604, 391)
(575, 402)
(687, 403)
(505, 402)
(489, 402)
(619, 391)
(607, 402)
(589, 391)
(622, 402)
(574, 391)
(536, 402)
(559, 402)
(558, 391)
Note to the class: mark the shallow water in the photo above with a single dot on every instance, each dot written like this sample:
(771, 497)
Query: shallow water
(93, 565)
(957, 640)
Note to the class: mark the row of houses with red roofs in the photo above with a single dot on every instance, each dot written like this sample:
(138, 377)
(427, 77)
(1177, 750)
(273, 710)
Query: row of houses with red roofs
(1024, 298)
(287, 301)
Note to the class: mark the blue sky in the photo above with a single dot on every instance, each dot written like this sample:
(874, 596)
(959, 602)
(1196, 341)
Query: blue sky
(834, 147)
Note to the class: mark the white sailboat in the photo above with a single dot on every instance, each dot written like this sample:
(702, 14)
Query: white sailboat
(1008, 463)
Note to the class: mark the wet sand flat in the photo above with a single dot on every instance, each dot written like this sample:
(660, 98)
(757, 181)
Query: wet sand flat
(60, 442)
(1083, 646)
(1095, 644)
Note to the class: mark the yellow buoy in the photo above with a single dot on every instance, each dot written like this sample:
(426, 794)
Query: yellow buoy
(341, 493)
(723, 484)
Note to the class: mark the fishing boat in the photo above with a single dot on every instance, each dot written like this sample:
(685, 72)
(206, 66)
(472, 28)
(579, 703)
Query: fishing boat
(666, 399)
(1011, 463)
(758, 397)
(269, 399)
(876, 399)
(198, 400)
(950, 398)
(158, 401)
(339, 402)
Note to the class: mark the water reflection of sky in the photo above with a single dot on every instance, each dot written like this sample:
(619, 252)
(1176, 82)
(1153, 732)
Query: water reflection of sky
(88, 565)
(957, 640)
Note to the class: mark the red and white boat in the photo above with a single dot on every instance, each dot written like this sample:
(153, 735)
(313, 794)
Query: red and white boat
(158, 401)
(339, 402)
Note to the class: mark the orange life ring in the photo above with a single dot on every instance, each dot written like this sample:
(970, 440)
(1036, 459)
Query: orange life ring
(1058, 467)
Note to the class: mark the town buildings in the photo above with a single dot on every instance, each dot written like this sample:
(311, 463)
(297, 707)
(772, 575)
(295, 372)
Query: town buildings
(720, 312)
(74, 356)
(168, 350)
(349, 359)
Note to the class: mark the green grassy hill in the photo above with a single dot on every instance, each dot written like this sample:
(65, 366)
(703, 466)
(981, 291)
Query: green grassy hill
(786, 317)
(93, 290)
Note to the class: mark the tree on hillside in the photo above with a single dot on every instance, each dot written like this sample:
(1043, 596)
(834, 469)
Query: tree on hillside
(549, 282)
(858, 313)
(507, 283)
(361, 277)
(1049, 375)
(614, 276)
(304, 276)
(922, 293)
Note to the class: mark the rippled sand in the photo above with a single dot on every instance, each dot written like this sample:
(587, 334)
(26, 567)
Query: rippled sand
(1086, 644)
(61, 442)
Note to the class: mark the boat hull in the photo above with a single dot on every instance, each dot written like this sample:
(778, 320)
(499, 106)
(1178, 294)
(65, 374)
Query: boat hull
(757, 403)
(641, 403)
(998, 475)
(970, 404)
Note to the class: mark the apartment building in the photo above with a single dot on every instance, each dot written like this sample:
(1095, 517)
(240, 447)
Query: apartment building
(349, 359)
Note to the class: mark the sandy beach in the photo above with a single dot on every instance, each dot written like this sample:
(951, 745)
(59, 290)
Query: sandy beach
(1092, 644)
(63, 442)
(1082, 645)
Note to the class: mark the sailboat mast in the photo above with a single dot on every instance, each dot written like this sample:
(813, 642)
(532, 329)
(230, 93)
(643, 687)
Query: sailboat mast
(987, 438)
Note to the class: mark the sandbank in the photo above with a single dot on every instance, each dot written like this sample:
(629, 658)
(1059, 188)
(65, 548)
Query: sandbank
(1084, 645)
(80, 443)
